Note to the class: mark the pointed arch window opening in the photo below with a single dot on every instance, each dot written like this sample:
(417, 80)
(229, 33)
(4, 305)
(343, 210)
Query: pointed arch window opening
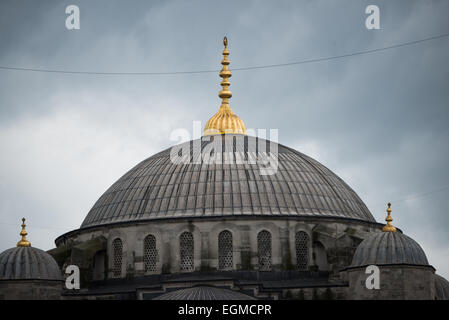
(117, 256)
(225, 251)
(186, 250)
(264, 250)
(302, 250)
(150, 253)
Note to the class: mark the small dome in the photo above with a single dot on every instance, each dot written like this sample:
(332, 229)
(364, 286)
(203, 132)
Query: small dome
(26, 263)
(389, 248)
(441, 288)
(204, 293)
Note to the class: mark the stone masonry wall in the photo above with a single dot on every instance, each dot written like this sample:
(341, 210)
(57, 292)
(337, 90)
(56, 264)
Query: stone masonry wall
(338, 238)
(30, 290)
(397, 282)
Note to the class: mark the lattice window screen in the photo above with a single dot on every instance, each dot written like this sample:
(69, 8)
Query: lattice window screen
(225, 250)
(186, 251)
(149, 253)
(302, 250)
(117, 255)
(264, 250)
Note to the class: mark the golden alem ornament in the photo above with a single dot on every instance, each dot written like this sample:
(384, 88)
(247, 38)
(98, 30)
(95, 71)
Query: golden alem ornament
(24, 242)
(389, 227)
(225, 121)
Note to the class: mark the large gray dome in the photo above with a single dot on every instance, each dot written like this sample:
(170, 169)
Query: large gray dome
(157, 188)
(389, 248)
(28, 263)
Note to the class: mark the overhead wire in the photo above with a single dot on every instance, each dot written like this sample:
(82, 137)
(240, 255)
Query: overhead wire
(237, 69)
(278, 65)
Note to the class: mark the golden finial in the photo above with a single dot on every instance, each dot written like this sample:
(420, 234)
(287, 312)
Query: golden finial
(225, 121)
(389, 227)
(24, 242)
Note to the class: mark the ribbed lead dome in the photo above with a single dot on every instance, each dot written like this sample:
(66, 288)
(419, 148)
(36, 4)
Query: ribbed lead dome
(389, 248)
(204, 293)
(26, 263)
(158, 188)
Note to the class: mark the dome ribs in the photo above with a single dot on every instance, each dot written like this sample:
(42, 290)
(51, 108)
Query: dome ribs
(28, 263)
(389, 248)
(157, 188)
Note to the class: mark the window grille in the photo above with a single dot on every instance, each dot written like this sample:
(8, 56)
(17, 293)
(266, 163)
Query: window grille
(149, 253)
(186, 251)
(117, 254)
(264, 250)
(225, 252)
(302, 250)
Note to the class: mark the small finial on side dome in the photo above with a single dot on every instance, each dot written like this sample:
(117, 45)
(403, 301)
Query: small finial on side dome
(24, 242)
(389, 227)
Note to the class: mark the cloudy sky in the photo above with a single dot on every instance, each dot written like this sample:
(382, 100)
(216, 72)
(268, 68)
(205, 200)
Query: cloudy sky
(380, 121)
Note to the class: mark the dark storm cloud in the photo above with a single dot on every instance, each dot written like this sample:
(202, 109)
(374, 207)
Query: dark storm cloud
(380, 120)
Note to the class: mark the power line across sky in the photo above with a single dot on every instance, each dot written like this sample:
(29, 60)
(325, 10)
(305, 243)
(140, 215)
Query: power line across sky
(306, 61)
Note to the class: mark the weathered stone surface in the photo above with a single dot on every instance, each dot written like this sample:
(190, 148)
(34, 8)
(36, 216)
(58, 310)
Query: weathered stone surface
(334, 250)
(397, 282)
(30, 290)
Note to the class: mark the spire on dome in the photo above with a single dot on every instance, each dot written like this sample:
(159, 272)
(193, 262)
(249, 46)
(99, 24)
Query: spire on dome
(225, 121)
(389, 227)
(24, 242)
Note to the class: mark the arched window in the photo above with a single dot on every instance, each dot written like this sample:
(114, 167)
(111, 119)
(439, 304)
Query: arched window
(98, 272)
(117, 256)
(149, 253)
(225, 250)
(264, 250)
(320, 256)
(186, 251)
(302, 250)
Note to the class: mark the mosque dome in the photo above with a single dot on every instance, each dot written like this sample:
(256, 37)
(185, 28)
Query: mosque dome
(27, 263)
(158, 188)
(204, 293)
(389, 247)
(228, 207)
(162, 187)
(231, 210)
